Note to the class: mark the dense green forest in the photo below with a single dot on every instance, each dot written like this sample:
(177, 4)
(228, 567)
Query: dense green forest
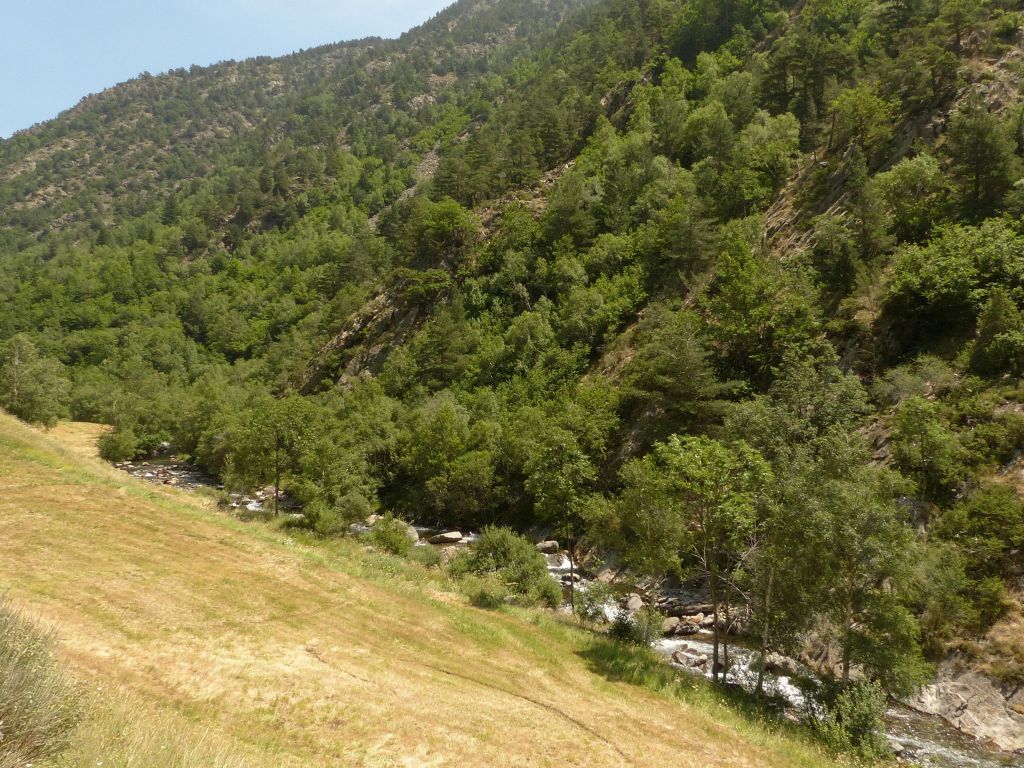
(732, 287)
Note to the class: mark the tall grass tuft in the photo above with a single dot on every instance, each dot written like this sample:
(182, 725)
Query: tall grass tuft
(38, 703)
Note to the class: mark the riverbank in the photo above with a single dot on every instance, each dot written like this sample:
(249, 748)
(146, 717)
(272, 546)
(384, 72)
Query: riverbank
(923, 739)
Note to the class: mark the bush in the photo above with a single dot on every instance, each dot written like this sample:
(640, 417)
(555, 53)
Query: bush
(320, 518)
(38, 705)
(514, 560)
(391, 535)
(488, 591)
(641, 628)
(426, 556)
(991, 600)
(987, 527)
(546, 591)
(120, 444)
(850, 719)
(590, 602)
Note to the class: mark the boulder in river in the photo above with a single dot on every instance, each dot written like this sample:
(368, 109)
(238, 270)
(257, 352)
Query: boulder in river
(669, 625)
(680, 657)
(777, 664)
(634, 603)
(412, 534)
(548, 547)
(448, 537)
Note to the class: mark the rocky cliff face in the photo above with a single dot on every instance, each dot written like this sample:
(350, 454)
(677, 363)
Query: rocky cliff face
(975, 704)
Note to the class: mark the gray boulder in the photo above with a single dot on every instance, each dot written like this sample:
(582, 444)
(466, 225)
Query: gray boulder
(448, 537)
(548, 547)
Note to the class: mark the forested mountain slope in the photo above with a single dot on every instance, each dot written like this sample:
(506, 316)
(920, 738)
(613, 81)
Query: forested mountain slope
(731, 287)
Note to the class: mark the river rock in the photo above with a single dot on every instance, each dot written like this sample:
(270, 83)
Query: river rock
(605, 576)
(448, 537)
(972, 703)
(694, 620)
(412, 534)
(683, 629)
(548, 547)
(778, 664)
(669, 625)
(634, 603)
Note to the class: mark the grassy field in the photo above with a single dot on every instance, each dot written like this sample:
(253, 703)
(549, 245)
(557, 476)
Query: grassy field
(204, 641)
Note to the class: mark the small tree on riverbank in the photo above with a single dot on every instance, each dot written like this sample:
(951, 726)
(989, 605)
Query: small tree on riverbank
(269, 442)
(690, 507)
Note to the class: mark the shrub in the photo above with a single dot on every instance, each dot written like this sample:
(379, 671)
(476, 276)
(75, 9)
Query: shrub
(590, 602)
(488, 591)
(546, 591)
(38, 705)
(390, 534)
(515, 561)
(987, 527)
(426, 556)
(119, 444)
(325, 519)
(850, 719)
(991, 600)
(641, 628)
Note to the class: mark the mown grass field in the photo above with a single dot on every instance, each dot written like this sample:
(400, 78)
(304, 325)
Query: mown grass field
(204, 641)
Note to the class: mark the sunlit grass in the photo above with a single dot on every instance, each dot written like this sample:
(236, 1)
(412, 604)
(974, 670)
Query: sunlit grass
(232, 643)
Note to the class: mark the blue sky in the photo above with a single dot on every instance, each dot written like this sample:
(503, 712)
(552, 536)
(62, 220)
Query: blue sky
(54, 52)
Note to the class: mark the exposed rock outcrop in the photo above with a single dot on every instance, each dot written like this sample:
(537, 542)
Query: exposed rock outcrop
(973, 703)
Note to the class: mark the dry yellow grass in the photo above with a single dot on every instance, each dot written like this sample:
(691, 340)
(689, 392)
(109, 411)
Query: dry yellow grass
(201, 631)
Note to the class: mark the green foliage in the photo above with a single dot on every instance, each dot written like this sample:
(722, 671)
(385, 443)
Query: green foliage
(999, 340)
(670, 375)
(641, 628)
(39, 705)
(916, 195)
(863, 119)
(852, 721)
(981, 150)
(510, 566)
(986, 527)
(938, 289)
(269, 441)
(32, 387)
(490, 282)
(119, 444)
(591, 602)
(927, 450)
(391, 535)
(488, 591)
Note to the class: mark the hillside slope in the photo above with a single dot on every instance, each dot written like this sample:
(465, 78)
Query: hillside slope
(285, 655)
(538, 261)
